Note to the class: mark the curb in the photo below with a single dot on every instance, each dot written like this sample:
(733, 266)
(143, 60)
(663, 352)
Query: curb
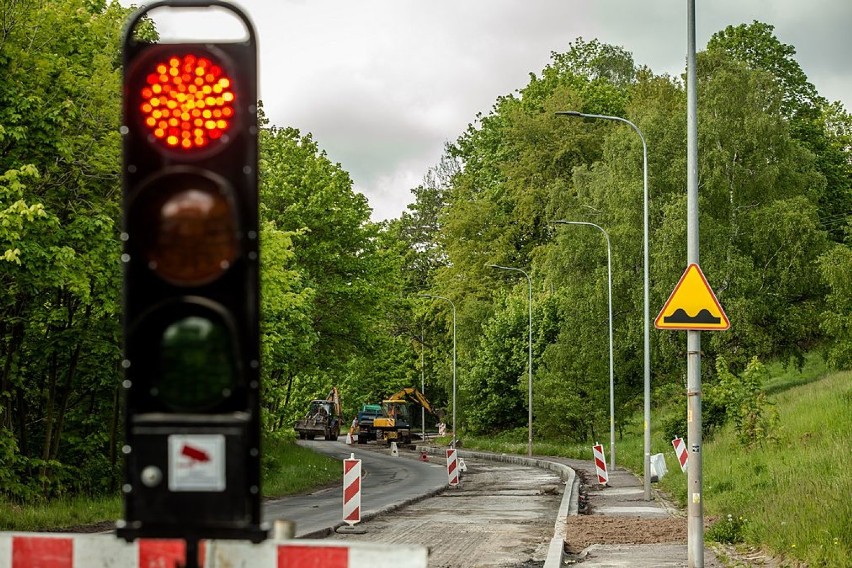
(570, 497)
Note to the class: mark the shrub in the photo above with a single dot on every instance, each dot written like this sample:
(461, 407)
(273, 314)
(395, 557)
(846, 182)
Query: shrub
(746, 404)
(728, 530)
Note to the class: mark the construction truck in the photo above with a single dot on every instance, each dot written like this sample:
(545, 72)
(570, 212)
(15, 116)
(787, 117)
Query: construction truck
(394, 425)
(366, 431)
(322, 419)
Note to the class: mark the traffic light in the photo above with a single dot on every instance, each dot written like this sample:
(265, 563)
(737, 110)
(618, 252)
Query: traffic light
(190, 260)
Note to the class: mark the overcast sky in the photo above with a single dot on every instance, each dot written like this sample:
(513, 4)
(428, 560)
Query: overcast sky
(383, 84)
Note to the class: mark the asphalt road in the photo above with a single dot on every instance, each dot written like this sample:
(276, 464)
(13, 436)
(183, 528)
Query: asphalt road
(501, 515)
(387, 482)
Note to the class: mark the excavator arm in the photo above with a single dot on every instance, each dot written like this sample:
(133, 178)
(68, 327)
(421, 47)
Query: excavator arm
(411, 394)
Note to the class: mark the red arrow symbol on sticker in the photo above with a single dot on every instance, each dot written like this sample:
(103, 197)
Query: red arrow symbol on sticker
(195, 454)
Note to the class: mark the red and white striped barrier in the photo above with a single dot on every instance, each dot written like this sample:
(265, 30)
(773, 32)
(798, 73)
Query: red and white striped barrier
(29, 550)
(680, 452)
(452, 467)
(600, 464)
(352, 490)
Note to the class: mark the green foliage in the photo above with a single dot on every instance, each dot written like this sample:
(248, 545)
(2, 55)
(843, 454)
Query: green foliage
(836, 266)
(821, 127)
(754, 418)
(728, 530)
(334, 281)
(59, 203)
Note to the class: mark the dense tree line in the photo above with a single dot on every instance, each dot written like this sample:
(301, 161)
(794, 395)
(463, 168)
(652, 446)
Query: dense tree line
(775, 199)
(340, 303)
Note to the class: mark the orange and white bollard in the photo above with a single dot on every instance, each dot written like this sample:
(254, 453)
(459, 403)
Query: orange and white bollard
(351, 490)
(452, 467)
(680, 452)
(600, 464)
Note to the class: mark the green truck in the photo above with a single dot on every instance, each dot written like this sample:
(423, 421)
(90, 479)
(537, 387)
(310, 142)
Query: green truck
(366, 416)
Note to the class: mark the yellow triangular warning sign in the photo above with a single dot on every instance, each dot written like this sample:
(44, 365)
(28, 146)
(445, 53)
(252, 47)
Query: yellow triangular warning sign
(692, 305)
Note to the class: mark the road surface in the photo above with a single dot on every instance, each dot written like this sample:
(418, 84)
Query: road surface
(501, 515)
(387, 481)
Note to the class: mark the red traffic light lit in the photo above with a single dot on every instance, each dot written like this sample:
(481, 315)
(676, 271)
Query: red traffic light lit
(187, 101)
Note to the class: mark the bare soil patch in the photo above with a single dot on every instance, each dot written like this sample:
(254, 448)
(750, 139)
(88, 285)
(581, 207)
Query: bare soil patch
(586, 530)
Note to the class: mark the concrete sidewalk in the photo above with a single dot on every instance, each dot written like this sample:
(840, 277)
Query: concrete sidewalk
(623, 497)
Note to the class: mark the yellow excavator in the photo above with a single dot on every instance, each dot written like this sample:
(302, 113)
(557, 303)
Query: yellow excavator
(394, 425)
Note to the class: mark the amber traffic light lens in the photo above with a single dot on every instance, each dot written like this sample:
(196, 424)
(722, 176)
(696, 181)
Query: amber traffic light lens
(186, 227)
(187, 101)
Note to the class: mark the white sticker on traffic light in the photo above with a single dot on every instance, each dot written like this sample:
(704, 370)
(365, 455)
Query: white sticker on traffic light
(196, 462)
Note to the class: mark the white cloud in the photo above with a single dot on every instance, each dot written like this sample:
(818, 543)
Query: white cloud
(383, 84)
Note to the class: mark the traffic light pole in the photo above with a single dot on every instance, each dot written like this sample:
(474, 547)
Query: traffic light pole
(192, 553)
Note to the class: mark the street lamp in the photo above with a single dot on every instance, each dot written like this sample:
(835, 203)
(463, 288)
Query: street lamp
(453, 444)
(611, 378)
(530, 394)
(647, 468)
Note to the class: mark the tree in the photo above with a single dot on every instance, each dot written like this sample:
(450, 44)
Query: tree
(59, 156)
(813, 121)
(836, 266)
(344, 272)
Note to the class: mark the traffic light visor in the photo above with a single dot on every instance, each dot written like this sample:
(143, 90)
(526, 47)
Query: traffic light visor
(185, 100)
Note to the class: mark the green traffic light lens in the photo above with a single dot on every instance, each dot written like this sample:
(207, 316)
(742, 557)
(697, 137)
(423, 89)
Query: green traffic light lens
(196, 364)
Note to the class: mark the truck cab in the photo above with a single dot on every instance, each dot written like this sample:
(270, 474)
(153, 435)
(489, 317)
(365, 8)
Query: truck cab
(366, 430)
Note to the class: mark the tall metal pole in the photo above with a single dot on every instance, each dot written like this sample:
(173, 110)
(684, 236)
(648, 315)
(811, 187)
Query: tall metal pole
(647, 421)
(453, 443)
(422, 385)
(611, 374)
(695, 511)
(529, 363)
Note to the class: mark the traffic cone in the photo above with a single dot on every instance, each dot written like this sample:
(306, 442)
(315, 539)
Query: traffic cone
(349, 439)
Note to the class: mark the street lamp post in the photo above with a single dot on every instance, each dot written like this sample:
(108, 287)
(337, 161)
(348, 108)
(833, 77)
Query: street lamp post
(453, 444)
(611, 376)
(422, 384)
(529, 364)
(647, 468)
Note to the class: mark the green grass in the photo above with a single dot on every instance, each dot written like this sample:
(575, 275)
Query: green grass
(792, 498)
(290, 469)
(58, 514)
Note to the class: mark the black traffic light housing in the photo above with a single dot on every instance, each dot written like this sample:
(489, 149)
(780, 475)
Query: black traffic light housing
(191, 329)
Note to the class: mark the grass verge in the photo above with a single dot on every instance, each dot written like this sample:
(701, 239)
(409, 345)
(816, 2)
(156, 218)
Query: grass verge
(288, 469)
